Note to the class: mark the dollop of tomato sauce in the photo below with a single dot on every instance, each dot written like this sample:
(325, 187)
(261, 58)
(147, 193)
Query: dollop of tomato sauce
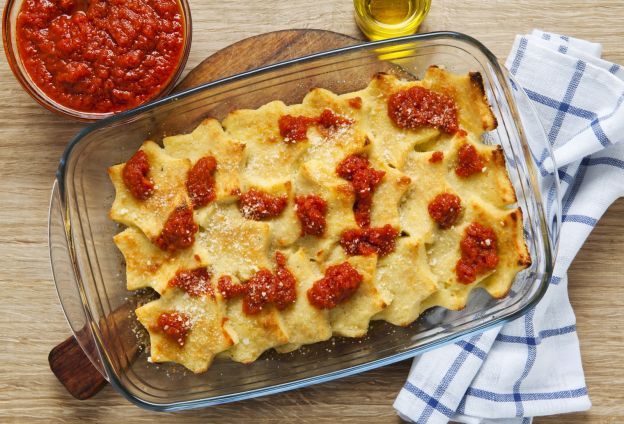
(259, 205)
(478, 252)
(99, 55)
(445, 209)
(135, 176)
(364, 179)
(286, 293)
(355, 102)
(260, 290)
(264, 287)
(295, 128)
(228, 289)
(174, 325)
(179, 230)
(416, 107)
(469, 161)
(338, 285)
(200, 182)
(436, 157)
(311, 211)
(369, 241)
(196, 282)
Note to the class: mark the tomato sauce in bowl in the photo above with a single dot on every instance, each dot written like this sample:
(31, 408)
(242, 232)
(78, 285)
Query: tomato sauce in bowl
(92, 58)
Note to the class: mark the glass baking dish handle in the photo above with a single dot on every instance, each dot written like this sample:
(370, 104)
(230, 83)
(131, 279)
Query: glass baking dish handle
(69, 292)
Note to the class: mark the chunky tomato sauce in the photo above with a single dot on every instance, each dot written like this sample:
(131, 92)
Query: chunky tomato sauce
(364, 180)
(469, 161)
(445, 209)
(228, 289)
(100, 55)
(369, 241)
(175, 326)
(264, 287)
(338, 285)
(135, 176)
(417, 107)
(436, 157)
(286, 292)
(260, 290)
(311, 211)
(200, 182)
(478, 252)
(196, 282)
(295, 128)
(179, 230)
(259, 205)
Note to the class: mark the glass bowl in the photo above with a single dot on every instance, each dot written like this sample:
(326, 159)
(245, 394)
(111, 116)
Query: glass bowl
(9, 39)
(89, 270)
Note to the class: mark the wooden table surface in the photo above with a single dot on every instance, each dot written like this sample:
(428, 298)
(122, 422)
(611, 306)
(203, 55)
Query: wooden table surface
(31, 142)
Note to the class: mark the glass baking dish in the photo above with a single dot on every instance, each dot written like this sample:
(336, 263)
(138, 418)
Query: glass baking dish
(89, 271)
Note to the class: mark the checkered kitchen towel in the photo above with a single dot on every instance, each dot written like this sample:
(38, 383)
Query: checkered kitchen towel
(532, 366)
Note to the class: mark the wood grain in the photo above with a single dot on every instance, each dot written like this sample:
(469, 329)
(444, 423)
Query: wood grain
(261, 50)
(74, 370)
(31, 321)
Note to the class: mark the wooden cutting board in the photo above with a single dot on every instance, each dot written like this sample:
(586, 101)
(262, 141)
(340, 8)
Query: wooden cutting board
(67, 360)
(262, 50)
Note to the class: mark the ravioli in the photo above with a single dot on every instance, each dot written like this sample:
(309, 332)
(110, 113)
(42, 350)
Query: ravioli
(443, 253)
(169, 192)
(322, 217)
(231, 244)
(149, 266)
(255, 333)
(209, 139)
(407, 276)
(315, 177)
(207, 337)
(304, 323)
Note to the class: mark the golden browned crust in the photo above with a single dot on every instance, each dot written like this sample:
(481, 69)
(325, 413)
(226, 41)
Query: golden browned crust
(251, 153)
(477, 81)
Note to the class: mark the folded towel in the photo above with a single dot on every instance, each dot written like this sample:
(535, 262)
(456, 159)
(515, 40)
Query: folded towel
(532, 366)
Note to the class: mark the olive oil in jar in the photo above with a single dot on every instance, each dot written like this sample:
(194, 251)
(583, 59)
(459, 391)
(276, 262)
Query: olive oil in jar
(379, 19)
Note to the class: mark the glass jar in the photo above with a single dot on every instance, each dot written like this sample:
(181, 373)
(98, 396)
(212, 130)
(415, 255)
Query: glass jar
(380, 19)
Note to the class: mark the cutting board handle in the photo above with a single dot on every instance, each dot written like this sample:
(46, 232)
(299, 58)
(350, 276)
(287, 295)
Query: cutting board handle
(74, 370)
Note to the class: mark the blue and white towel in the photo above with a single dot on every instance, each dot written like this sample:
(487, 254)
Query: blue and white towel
(532, 366)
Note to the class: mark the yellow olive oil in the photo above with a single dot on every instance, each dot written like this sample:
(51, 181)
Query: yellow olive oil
(379, 19)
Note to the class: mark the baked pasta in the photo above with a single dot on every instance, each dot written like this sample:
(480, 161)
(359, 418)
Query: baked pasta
(290, 224)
